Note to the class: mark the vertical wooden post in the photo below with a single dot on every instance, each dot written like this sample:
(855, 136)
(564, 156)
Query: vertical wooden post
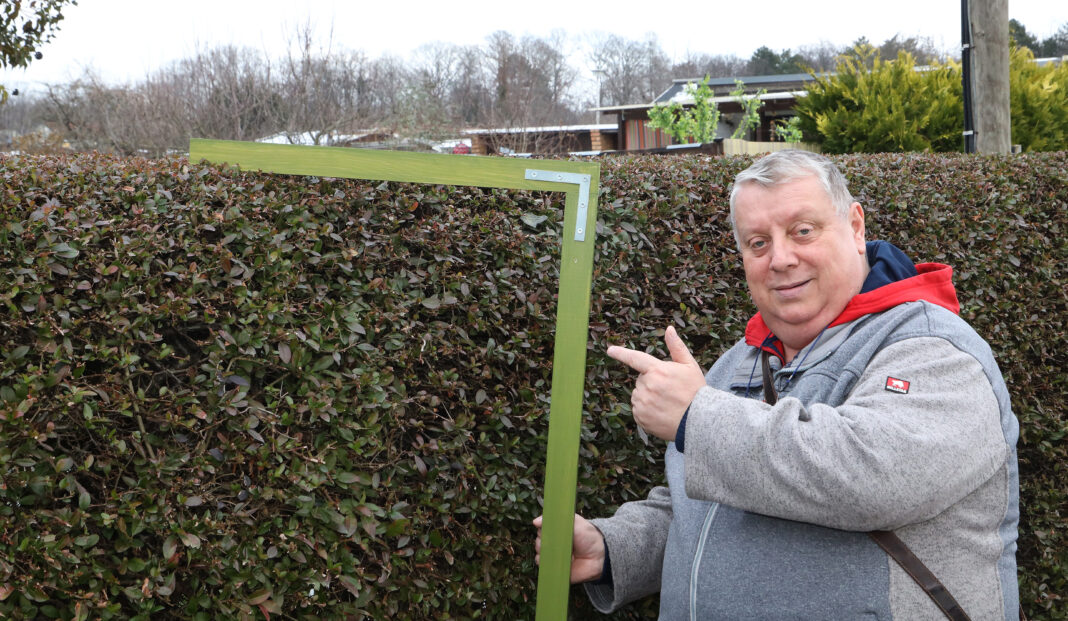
(989, 20)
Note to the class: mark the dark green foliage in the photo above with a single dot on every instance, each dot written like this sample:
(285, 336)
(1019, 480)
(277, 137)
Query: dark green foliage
(229, 394)
(1056, 45)
(24, 27)
(1053, 46)
(1019, 37)
(766, 61)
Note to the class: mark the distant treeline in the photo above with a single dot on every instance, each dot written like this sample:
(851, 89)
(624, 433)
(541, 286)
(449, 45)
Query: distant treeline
(507, 81)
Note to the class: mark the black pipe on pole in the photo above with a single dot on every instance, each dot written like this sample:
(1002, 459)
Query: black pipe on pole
(966, 65)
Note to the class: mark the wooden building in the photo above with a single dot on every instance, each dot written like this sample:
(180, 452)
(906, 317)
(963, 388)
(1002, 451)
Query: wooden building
(634, 134)
(554, 140)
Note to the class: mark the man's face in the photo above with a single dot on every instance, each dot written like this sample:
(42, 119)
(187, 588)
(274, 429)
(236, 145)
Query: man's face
(803, 262)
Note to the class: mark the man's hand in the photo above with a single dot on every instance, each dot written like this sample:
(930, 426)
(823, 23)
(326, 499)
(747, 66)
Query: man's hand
(664, 388)
(587, 550)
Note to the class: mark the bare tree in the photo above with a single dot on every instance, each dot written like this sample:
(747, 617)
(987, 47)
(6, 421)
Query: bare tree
(324, 92)
(225, 93)
(19, 115)
(383, 80)
(436, 70)
(472, 97)
(532, 84)
(714, 66)
(921, 48)
(92, 115)
(634, 71)
(22, 128)
(1055, 44)
(436, 77)
(822, 56)
(229, 93)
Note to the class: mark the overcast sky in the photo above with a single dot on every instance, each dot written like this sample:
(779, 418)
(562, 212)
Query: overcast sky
(124, 40)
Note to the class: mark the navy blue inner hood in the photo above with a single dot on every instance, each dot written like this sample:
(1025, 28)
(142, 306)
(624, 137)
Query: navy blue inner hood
(887, 265)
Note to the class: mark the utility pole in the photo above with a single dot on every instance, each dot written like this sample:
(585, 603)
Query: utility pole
(988, 21)
(966, 74)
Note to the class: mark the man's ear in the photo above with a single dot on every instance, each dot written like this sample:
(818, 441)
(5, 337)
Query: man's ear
(856, 222)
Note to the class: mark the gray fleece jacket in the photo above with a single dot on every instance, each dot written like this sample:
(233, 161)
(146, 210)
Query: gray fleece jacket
(896, 419)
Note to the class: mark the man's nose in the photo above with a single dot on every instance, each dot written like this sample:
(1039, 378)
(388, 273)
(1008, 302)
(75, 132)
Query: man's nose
(783, 255)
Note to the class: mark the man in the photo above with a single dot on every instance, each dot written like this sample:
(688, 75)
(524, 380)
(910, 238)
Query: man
(857, 401)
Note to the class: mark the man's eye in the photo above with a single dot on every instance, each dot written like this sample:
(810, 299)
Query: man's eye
(804, 231)
(757, 244)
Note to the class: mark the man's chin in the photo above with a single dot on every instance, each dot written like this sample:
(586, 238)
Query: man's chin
(791, 322)
(789, 311)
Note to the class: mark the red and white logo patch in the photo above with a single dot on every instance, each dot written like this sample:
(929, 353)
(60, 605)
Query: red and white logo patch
(897, 385)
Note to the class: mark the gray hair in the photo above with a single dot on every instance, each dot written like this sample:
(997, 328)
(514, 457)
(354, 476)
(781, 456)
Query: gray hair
(783, 166)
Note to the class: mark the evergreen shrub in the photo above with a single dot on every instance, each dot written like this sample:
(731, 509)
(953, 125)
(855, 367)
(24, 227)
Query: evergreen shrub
(875, 106)
(231, 394)
(1038, 97)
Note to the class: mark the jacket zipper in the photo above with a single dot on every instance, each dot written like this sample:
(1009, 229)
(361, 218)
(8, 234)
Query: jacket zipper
(697, 560)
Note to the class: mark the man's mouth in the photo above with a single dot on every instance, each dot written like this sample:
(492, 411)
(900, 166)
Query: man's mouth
(790, 288)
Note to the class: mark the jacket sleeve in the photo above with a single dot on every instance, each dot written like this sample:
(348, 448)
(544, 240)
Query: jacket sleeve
(881, 460)
(635, 537)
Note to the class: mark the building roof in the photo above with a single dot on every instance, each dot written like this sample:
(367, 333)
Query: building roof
(604, 127)
(781, 86)
(773, 83)
(327, 138)
(682, 99)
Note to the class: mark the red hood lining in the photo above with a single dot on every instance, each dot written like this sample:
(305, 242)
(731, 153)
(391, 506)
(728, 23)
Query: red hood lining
(933, 283)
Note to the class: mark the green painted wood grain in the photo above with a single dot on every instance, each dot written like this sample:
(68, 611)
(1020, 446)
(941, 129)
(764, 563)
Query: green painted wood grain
(572, 313)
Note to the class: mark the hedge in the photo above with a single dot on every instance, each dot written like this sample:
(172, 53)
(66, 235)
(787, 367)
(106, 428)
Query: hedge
(240, 395)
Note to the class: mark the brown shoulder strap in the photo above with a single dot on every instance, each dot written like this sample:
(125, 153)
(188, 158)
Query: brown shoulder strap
(887, 540)
(914, 567)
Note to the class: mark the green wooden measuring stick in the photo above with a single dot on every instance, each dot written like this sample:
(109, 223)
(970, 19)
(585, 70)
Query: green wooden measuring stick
(579, 181)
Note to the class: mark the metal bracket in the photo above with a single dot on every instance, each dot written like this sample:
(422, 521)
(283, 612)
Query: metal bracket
(583, 182)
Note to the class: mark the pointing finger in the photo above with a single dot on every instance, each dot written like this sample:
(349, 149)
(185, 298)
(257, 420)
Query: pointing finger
(637, 360)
